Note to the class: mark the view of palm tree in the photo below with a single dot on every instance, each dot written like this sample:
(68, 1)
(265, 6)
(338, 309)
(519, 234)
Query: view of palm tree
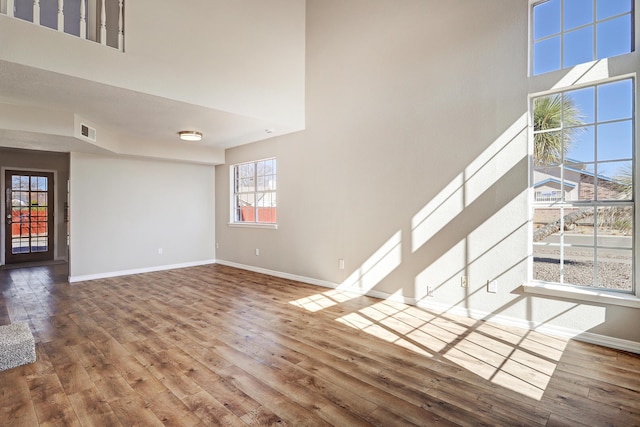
(550, 113)
(580, 243)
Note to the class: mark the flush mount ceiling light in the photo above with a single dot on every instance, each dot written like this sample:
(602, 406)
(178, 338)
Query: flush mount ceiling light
(190, 135)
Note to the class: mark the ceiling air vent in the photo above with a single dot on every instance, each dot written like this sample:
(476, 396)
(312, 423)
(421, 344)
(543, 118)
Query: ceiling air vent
(88, 132)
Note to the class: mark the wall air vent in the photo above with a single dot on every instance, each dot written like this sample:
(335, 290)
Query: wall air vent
(88, 132)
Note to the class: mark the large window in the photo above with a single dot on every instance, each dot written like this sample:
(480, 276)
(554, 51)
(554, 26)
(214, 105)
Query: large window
(570, 32)
(583, 209)
(254, 192)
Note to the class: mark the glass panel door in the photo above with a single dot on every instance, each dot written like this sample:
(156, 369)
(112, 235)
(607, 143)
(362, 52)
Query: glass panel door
(28, 216)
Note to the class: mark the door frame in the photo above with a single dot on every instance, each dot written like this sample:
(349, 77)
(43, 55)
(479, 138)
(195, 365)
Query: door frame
(3, 205)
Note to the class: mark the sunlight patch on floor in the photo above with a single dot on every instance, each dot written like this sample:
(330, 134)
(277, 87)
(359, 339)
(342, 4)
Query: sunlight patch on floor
(520, 360)
(324, 300)
(363, 323)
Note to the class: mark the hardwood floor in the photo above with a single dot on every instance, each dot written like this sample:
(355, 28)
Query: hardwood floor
(214, 345)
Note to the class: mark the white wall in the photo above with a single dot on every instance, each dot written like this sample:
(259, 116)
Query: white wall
(413, 167)
(123, 210)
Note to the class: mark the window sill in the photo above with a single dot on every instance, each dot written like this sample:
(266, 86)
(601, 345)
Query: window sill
(598, 296)
(253, 225)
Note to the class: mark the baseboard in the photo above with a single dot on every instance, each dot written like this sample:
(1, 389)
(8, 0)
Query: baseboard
(309, 280)
(75, 279)
(558, 331)
(589, 337)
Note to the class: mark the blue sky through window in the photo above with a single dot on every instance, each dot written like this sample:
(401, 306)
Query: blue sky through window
(615, 101)
(614, 141)
(571, 32)
(576, 13)
(603, 134)
(584, 101)
(608, 8)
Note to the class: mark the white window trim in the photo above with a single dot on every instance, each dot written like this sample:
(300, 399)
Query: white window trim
(234, 224)
(576, 77)
(530, 63)
(568, 291)
(265, 225)
(602, 296)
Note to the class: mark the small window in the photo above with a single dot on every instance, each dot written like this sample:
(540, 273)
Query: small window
(571, 32)
(254, 192)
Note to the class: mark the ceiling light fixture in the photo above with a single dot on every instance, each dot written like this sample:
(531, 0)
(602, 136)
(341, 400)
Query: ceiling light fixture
(190, 135)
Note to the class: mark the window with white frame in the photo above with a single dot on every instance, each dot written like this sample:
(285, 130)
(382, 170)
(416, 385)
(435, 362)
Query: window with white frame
(570, 32)
(583, 143)
(254, 192)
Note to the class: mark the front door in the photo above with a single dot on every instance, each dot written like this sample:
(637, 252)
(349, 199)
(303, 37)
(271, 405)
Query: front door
(28, 216)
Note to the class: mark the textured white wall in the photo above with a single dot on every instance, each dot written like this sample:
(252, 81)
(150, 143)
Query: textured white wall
(413, 167)
(124, 210)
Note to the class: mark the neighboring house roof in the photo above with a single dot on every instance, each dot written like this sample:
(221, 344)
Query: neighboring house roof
(584, 171)
(554, 181)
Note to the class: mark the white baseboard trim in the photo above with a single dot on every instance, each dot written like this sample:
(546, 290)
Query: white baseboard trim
(558, 331)
(303, 279)
(603, 340)
(316, 282)
(75, 279)
(611, 342)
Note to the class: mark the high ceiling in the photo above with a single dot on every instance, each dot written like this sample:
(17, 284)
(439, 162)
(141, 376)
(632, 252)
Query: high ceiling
(126, 112)
(234, 71)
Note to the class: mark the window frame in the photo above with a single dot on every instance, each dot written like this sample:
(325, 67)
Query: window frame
(233, 182)
(594, 22)
(587, 74)
(591, 293)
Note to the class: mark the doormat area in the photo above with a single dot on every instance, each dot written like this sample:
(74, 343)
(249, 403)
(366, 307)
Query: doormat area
(32, 264)
(17, 346)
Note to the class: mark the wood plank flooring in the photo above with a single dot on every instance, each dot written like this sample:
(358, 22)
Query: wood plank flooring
(214, 345)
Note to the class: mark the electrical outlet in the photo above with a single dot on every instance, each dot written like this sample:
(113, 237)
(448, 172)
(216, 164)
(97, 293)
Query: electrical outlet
(492, 286)
(160, 251)
(429, 290)
(217, 245)
(464, 281)
(257, 251)
(341, 264)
